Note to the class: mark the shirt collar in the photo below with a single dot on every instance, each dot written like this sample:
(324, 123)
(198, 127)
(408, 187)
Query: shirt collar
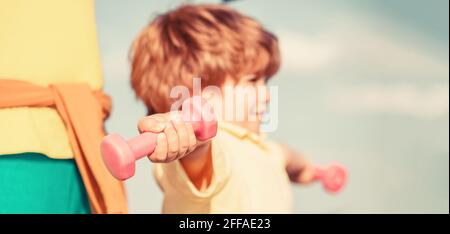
(243, 133)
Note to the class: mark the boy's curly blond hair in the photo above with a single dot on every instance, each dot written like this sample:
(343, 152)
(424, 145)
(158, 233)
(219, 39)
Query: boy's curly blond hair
(212, 42)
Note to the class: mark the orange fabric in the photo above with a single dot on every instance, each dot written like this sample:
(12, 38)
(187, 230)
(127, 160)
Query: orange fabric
(83, 112)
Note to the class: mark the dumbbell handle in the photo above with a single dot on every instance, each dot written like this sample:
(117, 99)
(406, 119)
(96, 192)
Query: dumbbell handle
(143, 144)
(318, 173)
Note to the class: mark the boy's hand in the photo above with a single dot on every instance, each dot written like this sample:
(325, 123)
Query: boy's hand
(176, 137)
(306, 173)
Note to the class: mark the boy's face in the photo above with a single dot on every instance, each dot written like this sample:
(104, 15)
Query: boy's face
(244, 102)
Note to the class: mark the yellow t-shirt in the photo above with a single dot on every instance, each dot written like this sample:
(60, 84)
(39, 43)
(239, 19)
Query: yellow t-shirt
(249, 177)
(44, 42)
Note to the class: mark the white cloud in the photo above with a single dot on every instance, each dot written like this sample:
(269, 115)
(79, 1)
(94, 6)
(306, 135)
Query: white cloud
(303, 54)
(410, 100)
(354, 46)
(354, 41)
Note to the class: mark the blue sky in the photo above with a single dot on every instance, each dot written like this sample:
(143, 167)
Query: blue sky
(362, 82)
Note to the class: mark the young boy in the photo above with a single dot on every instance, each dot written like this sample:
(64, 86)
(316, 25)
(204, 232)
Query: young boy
(238, 171)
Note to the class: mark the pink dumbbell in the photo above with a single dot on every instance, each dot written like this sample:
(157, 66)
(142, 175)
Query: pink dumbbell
(120, 155)
(333, 177)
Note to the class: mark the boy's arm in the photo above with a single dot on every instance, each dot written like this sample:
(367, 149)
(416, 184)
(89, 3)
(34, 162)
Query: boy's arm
(198, 166)
(178, 141)
(298, 168)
